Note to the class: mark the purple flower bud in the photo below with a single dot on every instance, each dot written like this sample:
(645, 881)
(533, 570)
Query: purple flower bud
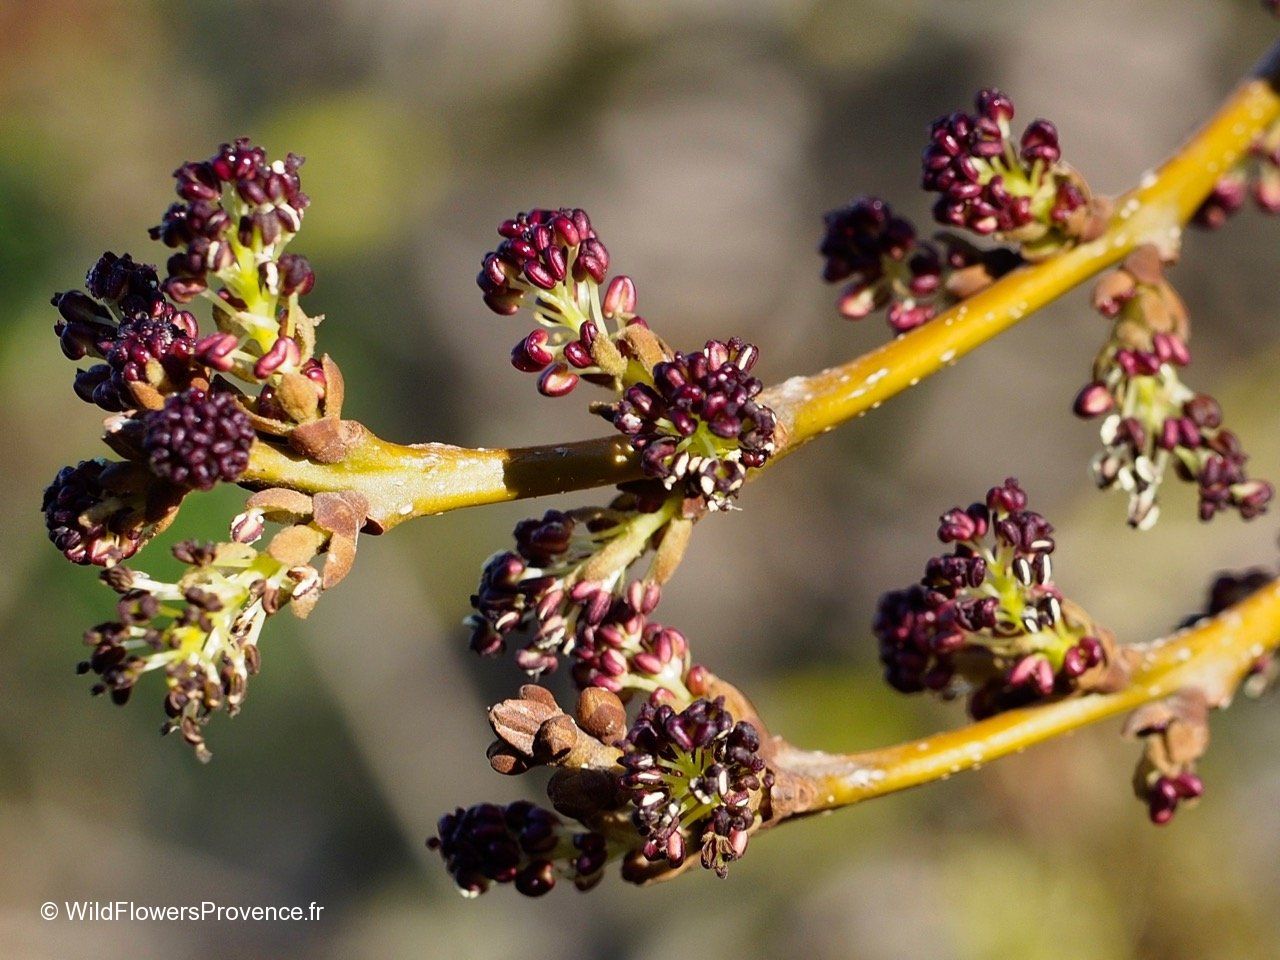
(993, 104)
(101, 513)
(619, 298)
(1094, 399)
(1040, 143)
(557, 381)
(285, 355)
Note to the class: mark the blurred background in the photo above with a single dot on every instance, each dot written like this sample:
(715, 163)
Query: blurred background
(706, 139)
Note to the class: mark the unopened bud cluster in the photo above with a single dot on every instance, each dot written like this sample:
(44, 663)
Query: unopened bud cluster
(1151, 421)
(987, 619)
(520, 844)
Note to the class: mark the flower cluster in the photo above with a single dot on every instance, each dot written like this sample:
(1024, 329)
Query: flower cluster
(145, 343)
(519, 843)
(694, 777)
(1257, 177)
(234, 206)
(565, 585)
(553, 262)
(989, 184)
(987, 618)
(699, 426)
(237, 212)
(200, 631)
(1150, 419)
(884, 262)
(101, 512)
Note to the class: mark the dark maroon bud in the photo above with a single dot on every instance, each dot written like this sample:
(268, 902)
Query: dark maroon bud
(1040, 142)
(1171, 349)
(578, 355)
(958, 524)
(531, 354)
(215, 350)
(619, 298)
(284, 354)
(1093, 400)
(557, 381)
(1224, 201)
(993, 104)
(296, 275)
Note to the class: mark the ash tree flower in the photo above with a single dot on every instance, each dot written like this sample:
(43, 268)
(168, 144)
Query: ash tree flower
(987, 618)
(200, 631)
(565, 586)
(237, 213)
(883, 262)
(101, 512)
(520, 844)
(1150, 420)
(1174, 734)
(695, 778)
(553, 263)
(1257, 176)
(179, 426)
(1020, 191)
(146, 344)
(699, 425)
(234, 203)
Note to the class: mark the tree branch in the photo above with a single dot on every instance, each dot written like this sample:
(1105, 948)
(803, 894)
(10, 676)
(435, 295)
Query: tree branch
(1214, 656)
(401, 482)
